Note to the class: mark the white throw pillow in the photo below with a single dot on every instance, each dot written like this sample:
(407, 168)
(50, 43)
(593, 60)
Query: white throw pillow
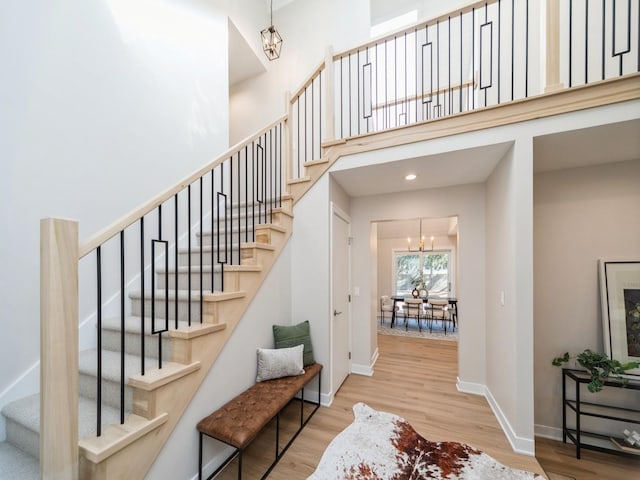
(279, 362)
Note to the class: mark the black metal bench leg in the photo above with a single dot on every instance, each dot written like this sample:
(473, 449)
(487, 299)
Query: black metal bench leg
(240, 465)
(302, 407)
(200, 458)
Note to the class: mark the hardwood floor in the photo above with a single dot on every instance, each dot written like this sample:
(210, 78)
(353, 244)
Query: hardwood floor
(416, 379)
(557, 457)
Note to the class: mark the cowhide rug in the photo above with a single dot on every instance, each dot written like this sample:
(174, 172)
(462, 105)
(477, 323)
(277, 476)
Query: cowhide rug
(383, 446)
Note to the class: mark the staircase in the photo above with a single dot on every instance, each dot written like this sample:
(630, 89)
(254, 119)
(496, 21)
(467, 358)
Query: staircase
(154, 402)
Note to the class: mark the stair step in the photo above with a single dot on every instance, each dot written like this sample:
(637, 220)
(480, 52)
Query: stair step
(183, 276)
(110, 375)
(23, 421)
(111, 337)
(18, 464)
(183, 304)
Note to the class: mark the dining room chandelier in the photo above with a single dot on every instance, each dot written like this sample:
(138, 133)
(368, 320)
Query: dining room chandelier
(271, 40)
(420, 242)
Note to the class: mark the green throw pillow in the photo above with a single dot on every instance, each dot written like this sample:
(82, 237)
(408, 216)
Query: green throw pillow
(286, 336)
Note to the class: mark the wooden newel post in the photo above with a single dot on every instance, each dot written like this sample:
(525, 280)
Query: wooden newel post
(58, 349)
(329, 98)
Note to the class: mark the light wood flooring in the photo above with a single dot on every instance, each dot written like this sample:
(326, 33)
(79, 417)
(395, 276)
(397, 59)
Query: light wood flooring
(416, 379)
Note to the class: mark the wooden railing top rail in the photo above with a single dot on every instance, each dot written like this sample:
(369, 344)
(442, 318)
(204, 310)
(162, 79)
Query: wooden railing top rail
(410, 29)
(133, 216)
(306, 83)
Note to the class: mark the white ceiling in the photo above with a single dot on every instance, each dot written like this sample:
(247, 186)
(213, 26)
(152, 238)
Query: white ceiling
(473, 165)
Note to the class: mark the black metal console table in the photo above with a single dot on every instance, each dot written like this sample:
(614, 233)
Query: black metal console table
(592, 440)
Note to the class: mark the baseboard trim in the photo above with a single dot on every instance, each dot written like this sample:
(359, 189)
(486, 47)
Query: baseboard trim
(552, 433)
(366, 370)
(472, 388)
(521, 445)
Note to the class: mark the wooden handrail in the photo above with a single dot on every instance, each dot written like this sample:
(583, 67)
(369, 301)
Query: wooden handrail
(421, 24)
(133, 216)
(307, 82)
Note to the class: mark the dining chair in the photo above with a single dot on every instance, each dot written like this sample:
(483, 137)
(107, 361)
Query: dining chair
(413, 308)
(438, 310)
(387, 305)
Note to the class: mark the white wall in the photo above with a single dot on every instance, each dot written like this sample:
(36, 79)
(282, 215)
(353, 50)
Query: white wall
(104, 104)
(310, 295)
(509, 277)
(234, 371)
(580, 215)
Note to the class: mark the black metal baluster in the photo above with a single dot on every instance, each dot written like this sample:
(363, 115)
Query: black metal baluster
(349, 109)
(99, 342)
(189, 255)
(406, 99)
(473, 56)
(299, 142)
(395, 80)
(461, 62)
(306, 148)
(246, 195)
(449, 62)
(320, 115)
(177, 268)
(358, 90)
(341, 100)
(226, 246)
(313, 118)
(214, 213)
(603, 36)
(438, 67)
(513, 68)
(415, 38)
(122, 335)
(239, 195)
(499, 44)
(526, 54)
(201, 249)
(142, 299)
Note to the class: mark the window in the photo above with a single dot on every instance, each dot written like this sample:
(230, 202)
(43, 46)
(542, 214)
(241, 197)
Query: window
(435, 268)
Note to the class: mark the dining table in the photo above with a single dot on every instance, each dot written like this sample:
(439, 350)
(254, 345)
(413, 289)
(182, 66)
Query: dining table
(453, 302)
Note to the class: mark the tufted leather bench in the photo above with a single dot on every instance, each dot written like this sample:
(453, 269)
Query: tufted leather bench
(240, 420)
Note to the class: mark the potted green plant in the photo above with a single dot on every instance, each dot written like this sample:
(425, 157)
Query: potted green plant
(599, 367)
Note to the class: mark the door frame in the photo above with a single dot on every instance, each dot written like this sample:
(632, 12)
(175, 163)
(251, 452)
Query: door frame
(337, 211)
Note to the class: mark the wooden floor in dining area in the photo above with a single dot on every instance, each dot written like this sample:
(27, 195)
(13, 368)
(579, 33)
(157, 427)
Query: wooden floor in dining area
(416, 379)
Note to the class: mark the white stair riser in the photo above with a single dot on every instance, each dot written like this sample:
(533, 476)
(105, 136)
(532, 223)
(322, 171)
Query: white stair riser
(111, 341)
(110, 390)
(183, 309)
(23, 438)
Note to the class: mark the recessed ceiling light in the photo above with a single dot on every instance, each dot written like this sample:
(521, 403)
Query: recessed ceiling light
(411, 176)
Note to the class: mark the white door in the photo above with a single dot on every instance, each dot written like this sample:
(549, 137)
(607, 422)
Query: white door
(340, 308)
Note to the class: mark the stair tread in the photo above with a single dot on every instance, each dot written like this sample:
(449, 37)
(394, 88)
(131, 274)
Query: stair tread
(18, 464)
(207, 268)
(182, 294)
(111, 364)
(26, 412)
(132, 324)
